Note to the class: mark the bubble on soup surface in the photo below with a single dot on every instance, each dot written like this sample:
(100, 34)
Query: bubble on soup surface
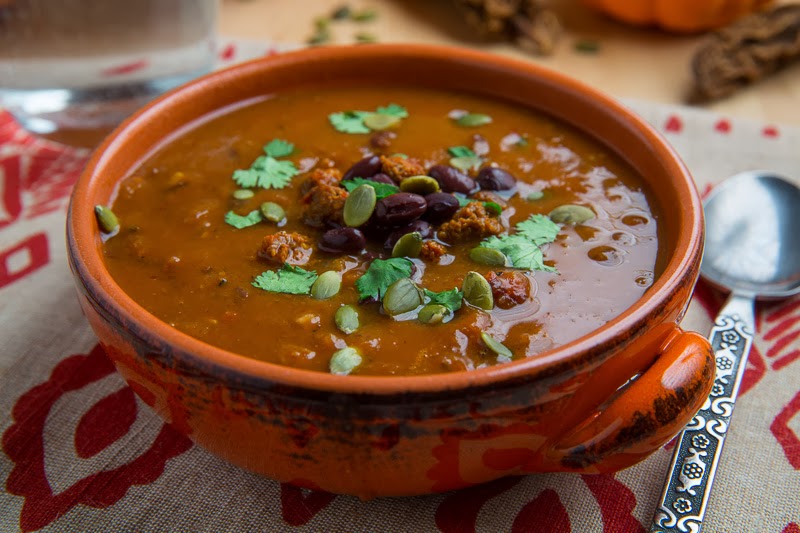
(644, 278)
(623, 238)
(606, 255)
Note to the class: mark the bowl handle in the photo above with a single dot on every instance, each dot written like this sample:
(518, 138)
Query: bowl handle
(645, 413)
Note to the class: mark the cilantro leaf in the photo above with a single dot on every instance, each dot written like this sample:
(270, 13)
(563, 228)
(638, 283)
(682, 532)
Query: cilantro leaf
(522, 248)
(493, 206)
(382, 190)
(450, 299)
(238, 221)
(539, 229)
(349, 121)
(461, 151)
(380, 274)
(266, 172)
(366, 121)
(490, 206)
(279, 148)
(393, 109)
(520, 251)
(289, 279)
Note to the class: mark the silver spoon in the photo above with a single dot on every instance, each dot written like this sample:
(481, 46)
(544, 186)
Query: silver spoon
(753, 251)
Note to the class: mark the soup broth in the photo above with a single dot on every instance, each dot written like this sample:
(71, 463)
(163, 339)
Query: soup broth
(570, 233)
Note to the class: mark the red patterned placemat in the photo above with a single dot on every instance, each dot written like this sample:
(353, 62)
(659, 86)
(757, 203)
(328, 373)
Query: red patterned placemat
(81, 452)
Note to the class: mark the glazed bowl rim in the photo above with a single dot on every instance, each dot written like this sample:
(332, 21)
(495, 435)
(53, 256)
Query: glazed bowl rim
(88, 266)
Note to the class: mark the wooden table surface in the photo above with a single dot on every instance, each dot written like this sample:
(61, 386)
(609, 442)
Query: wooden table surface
(644, 64)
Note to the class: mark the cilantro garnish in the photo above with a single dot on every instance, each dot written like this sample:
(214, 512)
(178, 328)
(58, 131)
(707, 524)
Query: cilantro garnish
(450, 299)
(289, 279)
(380, 274)
(464, 158)
(491, 206)
(538, 228)
(461, 151)
(353, 121)
(238, 221)
(522, 248)
(393, 109)
(266, 171)
(382, 190)
(349, 121)
(279, 148)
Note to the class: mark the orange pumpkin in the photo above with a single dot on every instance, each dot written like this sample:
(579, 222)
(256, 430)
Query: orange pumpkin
(678, 15)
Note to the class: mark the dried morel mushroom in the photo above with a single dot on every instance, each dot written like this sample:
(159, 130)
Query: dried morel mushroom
(747, 51)
(528, 23)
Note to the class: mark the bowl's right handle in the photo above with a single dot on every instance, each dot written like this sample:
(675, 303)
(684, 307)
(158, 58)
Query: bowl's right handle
(644, 414)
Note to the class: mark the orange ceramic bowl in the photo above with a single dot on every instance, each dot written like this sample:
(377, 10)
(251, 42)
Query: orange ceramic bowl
(598, 404)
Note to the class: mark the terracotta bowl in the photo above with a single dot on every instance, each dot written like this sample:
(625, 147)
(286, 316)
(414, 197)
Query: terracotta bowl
(598, 404)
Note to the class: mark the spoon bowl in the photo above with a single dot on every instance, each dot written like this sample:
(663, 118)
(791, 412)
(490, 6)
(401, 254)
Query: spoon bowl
(752, 238)
(752, 251)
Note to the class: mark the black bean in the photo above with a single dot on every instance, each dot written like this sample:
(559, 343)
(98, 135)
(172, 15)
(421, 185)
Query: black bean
(451, 179)
(420, 226)
(495, 179)
(399, 209)
(381, 178)
(365, 168)
(441, 207)
(342, 241)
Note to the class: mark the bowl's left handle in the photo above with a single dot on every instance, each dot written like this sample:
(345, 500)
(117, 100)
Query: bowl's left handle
(645, 413)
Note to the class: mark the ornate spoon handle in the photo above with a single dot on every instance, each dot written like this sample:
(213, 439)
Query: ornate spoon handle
(697, 452)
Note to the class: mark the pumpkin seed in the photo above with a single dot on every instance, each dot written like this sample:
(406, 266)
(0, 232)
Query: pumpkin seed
(471, 120)
(243, 194)
(420, 185)
(344, 361)
(272, 212)
(571, 214)
(380, 121)
(488, 256)
(106, 219)
(327, 285)
(535, 195)
(359, 205)
(346, 319)
(466, 163)
(496, 346)
(477, 291)
(409, 245)
(402, 296)
(433, 314)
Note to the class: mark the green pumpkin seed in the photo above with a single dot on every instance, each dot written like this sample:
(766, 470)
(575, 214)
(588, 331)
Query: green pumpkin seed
(466, 163)
(359, 205)
(496, 346)
(346, 319)
(272, 212)
(409, 245)
(488, 256)
(571, 214)
(106, 219)
(477, 291)
(327, 285)
(344, 361)
(420, 185)
(535, 195)
(243, 194)
(381, 121)
(471, 120)
(433, 314)
(402, 296)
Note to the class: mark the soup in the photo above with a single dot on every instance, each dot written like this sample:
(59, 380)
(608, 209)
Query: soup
(390, 231)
